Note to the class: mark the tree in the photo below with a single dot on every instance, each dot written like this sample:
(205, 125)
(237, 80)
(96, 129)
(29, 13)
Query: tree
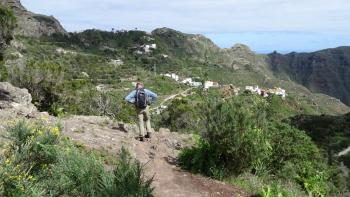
(7, 25)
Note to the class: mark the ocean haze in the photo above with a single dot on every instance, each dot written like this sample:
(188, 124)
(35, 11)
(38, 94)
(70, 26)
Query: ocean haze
(264, 25)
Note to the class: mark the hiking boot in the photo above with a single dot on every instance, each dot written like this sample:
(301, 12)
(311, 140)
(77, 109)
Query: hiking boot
(141, 138)
(148, 135)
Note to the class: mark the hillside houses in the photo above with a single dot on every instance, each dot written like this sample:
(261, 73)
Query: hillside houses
(266, 92)
(278, 91)
(253, 89)
(211, 84)
(144, 49)
(116, 62)
(147, 48)
(172, 75)
(191, 82)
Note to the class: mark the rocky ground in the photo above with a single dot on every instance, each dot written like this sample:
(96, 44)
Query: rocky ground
(158, 154)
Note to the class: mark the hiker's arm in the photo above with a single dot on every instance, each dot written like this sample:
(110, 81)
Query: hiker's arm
(152, 95)
(131, 97)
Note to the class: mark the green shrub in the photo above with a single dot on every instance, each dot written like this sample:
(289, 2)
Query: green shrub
(128, 179)
(38, 162)
(239, 138)
(181, 116)
(235, 141)
(7, 25)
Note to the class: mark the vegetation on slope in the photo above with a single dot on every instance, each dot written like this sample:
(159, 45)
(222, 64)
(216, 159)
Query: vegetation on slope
(243, 136)
(38, 161)
(7, 25)
(332, 133)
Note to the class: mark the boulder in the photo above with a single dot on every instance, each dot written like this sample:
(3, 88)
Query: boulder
(15, 101)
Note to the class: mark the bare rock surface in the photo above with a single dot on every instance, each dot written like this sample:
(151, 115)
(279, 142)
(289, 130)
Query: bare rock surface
(31, 24)
(15, 102)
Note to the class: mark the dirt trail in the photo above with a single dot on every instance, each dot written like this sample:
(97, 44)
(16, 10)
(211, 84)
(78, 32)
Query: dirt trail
(171, 97)
(158, 154)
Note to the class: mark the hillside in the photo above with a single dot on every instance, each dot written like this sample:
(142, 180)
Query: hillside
(324, 71)
(31, 24)
(69, 132)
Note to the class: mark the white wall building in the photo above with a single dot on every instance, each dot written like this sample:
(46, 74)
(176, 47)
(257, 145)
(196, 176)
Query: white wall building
(210, 84)
(278, 91)
(172, 75)
(189, 81)
(253, 89)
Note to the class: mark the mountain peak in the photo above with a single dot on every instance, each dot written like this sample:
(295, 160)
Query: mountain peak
(31, 24)
(241, 47)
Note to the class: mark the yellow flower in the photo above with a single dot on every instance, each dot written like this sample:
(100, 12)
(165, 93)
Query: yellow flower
(7, 161)
(56, 131)
(30, 177)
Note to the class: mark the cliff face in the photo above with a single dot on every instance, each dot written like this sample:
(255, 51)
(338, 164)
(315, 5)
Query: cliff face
(326, 71)
(31, 24)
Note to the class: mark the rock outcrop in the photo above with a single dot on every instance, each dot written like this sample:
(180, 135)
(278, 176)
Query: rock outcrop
(15, 102)
(31, 24)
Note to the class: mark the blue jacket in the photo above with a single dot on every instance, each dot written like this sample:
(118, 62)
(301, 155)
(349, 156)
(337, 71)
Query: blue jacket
(132, 96)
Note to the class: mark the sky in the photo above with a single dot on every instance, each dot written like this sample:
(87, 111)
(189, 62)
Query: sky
(263, 25)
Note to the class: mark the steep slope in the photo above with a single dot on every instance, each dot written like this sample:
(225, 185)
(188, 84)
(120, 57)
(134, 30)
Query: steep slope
(326, 71)
(332, 133)
(31, 24)
(199, 48)
(241, 66)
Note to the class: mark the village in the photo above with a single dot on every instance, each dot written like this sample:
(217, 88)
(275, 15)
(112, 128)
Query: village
(264, 92)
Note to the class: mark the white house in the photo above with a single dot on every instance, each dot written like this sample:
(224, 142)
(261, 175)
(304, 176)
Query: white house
(196, 84)
(278, 91)
(252, 89)
(209, 84)
(63, 51)
(190, 82)
(117, 62)
(187, 81)
(147, 48)
(172, 75)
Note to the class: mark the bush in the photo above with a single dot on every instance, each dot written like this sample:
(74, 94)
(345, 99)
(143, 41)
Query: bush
(240, 139)
(235, 141)
(128, 179)
(7, 25)
(181, 116)
(39, 162)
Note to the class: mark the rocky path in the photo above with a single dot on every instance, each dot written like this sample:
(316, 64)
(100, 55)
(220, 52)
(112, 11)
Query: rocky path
(158, 155)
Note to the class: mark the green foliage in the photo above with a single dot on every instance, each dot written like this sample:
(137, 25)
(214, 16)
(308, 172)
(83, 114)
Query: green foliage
(181, 116)
(240, 138)
(39, 162)
(42, 81)
(128, 179)
(232, 127)
(7, 25)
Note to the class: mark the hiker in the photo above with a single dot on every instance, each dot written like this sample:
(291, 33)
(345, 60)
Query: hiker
(140, 98)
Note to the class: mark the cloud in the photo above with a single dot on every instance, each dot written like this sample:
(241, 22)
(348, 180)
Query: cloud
(202, 16)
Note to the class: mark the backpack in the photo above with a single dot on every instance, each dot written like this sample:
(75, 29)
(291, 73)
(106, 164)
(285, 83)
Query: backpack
(141, 99)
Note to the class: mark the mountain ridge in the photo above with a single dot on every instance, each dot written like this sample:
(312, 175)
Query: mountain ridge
(32, 24)
(323, 71)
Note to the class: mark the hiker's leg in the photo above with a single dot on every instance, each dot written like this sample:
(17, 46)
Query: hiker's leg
(148, 120)
(141, 124)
